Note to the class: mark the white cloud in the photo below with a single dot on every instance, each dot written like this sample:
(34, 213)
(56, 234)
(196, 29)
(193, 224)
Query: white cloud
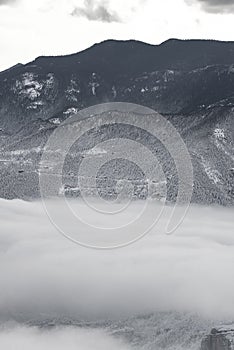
(43, 274)
(215, 6)
(96, 11)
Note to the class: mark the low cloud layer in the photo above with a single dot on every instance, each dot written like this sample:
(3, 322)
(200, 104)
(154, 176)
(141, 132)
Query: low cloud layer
(96, 11)
(216, 6)
(20, 337)
(43, 273)
(46, 277)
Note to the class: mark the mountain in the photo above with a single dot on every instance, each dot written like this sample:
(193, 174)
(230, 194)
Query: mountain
(190, 82)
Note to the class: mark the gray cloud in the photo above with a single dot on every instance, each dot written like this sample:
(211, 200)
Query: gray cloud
(96, 12)
(215, 6)
(7, 2)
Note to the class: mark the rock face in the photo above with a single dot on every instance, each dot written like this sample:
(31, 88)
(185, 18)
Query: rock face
(219, 339)
(190, 82)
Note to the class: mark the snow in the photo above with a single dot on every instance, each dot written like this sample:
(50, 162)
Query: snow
(168, 75)
(64, 189)
(114, 92)
(222, 144)
(28, 86)
(143, 77)
(220, 134)
(22, 152)
(201, 69)
(231, 69)
(73, 90)
(145, 89)
(70, 111)
(35, 104)
(213, 174)
(42, 127)
(154, 88)
(226, 327)
(50, 80)
(94, 85)
(95, 151)
(55, 121)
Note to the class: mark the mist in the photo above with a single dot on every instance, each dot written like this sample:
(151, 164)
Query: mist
(25, 338)
(46, 276)
(42, 272)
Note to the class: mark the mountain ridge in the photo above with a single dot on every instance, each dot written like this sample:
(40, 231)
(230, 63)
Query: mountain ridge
(108, 42)
(190, 82)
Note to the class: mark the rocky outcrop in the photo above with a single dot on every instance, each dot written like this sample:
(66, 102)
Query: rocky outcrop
(219, 339)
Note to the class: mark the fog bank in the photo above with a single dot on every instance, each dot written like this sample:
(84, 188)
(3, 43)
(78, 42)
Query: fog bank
(44, 275)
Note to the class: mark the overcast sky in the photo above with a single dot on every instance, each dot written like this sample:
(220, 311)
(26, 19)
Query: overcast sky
(30, 28)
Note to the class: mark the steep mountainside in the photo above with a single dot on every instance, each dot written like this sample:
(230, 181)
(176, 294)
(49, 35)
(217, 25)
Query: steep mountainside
(190, 82)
